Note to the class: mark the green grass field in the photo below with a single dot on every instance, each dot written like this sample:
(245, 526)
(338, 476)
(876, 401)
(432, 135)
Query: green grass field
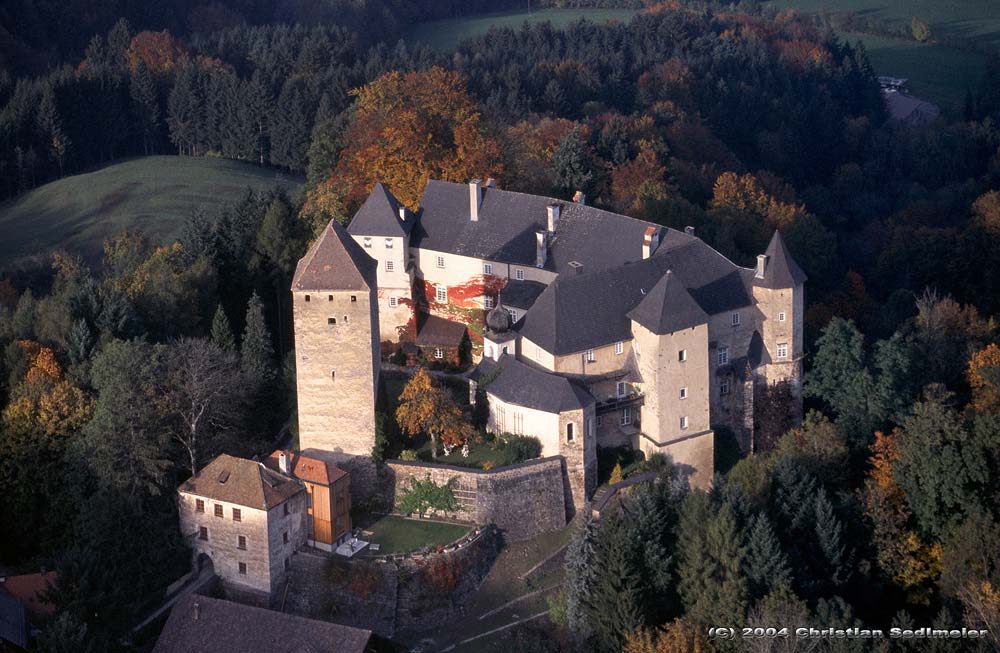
(153, 194)
(972, 19)
(936, 73)
(446, 34)
(395, 534)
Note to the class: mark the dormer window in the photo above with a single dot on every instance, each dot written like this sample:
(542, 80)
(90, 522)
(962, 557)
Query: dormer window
(368, 242)
(388, 243)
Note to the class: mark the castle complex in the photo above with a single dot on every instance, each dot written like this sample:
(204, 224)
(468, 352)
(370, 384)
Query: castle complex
(590, 328)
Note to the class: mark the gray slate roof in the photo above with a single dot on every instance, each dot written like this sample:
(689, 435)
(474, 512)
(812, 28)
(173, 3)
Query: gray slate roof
(781, 270)
(335, 262)
(507, 224)
(13, 621)
(243, 482)
(439, 332)
(521, 384)
(580, 311)
(521, 294)
(227, 627)
(379, 216)
(668, 307)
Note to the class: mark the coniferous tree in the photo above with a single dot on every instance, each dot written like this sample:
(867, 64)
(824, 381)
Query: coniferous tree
(146, 105)
(79, 342)
(614, 605)
(256, 350)
(829, 537)
(24, 316)
(184, 108)
(222, 332)
(572, 168)
(766, 564)
(580, 571)
(291, 125)
(51, 125)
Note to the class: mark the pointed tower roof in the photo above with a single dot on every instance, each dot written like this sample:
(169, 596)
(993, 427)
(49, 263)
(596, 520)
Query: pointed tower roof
(668, 307)
(335, 262)
(780, 269)
(379, 216)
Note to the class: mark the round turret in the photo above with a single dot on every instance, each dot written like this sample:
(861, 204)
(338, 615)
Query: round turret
(498, 320)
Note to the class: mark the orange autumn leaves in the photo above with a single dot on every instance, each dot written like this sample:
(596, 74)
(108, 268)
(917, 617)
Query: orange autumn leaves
(45, 400)
(425, 407)
(408, 128)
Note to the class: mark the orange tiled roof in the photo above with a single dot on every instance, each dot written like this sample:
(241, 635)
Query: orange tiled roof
(307, 468)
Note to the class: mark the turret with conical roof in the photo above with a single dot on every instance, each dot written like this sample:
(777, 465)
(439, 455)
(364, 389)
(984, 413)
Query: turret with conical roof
(776, 268)
(779, 294)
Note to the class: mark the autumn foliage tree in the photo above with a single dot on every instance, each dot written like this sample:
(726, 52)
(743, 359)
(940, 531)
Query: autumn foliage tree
(159, 51)
(408, 128)
(427, 408)
(983, 374)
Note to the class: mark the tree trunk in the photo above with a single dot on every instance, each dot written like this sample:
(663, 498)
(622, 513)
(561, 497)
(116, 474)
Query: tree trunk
(434, 447)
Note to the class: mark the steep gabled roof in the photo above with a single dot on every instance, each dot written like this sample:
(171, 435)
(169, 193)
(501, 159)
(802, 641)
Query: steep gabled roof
(335, 262)
(200, 623)
(379, 216)
(243, 482)
(518, 383)
(780, 271)
(668, 307)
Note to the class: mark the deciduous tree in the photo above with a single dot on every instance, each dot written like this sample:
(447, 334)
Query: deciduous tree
(427, 408)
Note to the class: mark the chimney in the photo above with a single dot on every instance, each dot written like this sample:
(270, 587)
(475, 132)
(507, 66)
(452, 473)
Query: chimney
(553, 215)
(541, 249)
(579, 197)
(650, 241)
(283, 464)
(402, 213)
(491, 182)
(761, 265)
(689, 230)
(196, 612)
(475, 198)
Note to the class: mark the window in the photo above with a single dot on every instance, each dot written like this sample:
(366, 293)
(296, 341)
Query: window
(723, 355)
(389, 266)
(600, 420)
(368, 243)
(589, 356)
(241, 543)
(440, 261)
(243, 568)
(441, 293)
(513, 315)
(684, 422)
(487, 302)
(619, 348)
(354, 298)
(487, 268)
(199, 505)
(331, 321)
(569, 432)
(438, 353)
(286, 507)
(782, 350)
(388, 243)
(781, 316)
(288, 564)
(626, 416)
(724, 387)
(333, 375)
(307, 297)
(284, 537)
(329, 298)
(682, 355)
(519, 275)
(345, 319)
(620, 388)
(202, 533)
(237, 514)
(218, 510)
(393, 302)
(684, 393)
(736, 319)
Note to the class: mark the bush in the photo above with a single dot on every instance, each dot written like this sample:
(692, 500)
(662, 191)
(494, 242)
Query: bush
(426, 495)
(608, 457)
(408, 455)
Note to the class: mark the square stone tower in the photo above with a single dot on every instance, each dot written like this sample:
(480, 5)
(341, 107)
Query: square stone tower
(779, 291)
(337, 361)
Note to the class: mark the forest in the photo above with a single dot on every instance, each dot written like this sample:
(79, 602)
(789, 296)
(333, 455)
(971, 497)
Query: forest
(729, 118)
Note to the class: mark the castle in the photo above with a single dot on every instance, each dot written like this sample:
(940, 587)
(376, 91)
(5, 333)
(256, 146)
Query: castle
(590, 328)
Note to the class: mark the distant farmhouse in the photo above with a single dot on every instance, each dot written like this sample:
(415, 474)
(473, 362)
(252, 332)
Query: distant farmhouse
(904, 107)
(590, 328)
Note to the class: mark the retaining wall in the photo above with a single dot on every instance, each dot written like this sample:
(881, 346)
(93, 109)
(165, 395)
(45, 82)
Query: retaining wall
(522, 500)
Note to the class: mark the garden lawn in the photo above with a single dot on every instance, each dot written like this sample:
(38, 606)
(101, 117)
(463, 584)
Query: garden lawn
(446, 34)
(396, 534)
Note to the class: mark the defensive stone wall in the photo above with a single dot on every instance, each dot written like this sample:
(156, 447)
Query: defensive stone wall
(392, 594)
(521, 500)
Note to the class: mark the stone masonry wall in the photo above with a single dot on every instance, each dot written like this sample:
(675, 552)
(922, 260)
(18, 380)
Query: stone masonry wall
(521, 500)
(393, 594)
